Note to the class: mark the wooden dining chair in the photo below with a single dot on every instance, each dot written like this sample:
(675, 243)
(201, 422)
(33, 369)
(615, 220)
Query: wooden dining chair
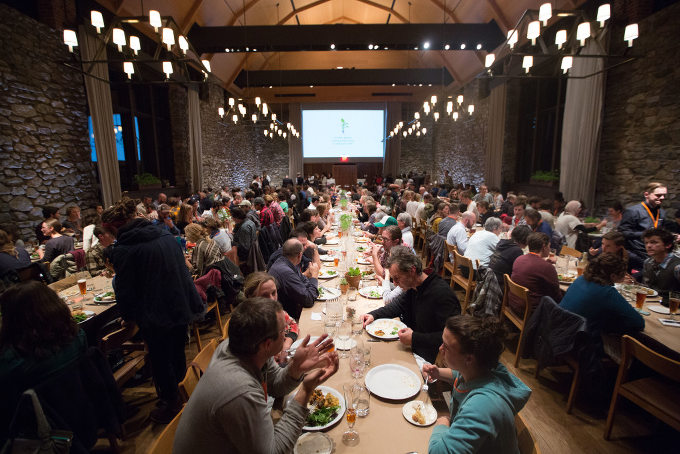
(202, 360)
(166, 439)
(189, 383)
(566, 250)
(448, 265)
(506, 311)
(658, 394)
(468, 282)
(135, 353)
(225, 330)
(218, 321)
(526, 443)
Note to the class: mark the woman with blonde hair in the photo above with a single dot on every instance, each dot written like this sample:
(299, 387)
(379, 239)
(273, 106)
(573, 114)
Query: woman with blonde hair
(263, 285)
(205, 253)
(184, 217)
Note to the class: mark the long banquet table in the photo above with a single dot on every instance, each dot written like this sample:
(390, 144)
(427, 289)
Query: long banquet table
(385, 429)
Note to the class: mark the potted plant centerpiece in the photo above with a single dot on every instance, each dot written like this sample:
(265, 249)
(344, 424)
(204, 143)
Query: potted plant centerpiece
(353, 276)
(344, 286)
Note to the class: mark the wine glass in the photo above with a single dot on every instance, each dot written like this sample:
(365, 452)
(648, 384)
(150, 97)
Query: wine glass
(357, 364)
(350, 436)
(344, 333)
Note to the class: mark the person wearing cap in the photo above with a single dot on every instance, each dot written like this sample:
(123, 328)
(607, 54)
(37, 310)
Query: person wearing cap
(164, 220)
(250, 214)
(266, 216)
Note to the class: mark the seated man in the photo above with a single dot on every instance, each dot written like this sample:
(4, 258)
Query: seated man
(165, 220)
(535, 273)
(612, 243)
(482, 244)
(391, 236)
(424, 307)
(295, 290)
(450, 212)
(536, 222)
(457, 235)
(507, 251)
(661, 271)
(245, 234)
(404, 223)
(94, 257)
(228, 412)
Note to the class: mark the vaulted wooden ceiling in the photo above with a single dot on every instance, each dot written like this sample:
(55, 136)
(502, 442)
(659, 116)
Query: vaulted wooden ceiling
(462, 65)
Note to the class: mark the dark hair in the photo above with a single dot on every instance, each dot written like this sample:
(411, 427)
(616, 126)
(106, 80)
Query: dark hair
(237, 213)
(49, 211)
(308, 227)
(251, 323)
(664, 235)
(615, 236)
(394, 231)
(454, 208)
(481, 337)
(92, 218)
(536, 241)
(616, 206)
(307, 214)
(484, 204)
(120, 213)
(601, 268)
(520, 234)
(35, 321)
(532, 214)
(405, 259)
(11, 230)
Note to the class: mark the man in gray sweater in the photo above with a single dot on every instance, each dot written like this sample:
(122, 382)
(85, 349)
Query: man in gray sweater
(227, 412)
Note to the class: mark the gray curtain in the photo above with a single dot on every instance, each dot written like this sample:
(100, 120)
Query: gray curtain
(581, 127)
(295, 163)
(494, 145)
(99, 101)
(195, 143)
(393, 145)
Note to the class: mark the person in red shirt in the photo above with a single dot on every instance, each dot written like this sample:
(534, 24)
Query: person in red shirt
(266, 216)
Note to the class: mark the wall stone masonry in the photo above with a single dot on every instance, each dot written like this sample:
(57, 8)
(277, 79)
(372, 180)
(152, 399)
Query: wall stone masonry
(641, 125)
(44, 146)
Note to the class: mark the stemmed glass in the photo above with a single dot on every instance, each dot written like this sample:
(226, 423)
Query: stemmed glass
(344, 333)
(350, 436)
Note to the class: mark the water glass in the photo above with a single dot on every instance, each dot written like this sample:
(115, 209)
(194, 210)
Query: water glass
(357, 365)
(344, 333)
(352, 294)
(363, 399)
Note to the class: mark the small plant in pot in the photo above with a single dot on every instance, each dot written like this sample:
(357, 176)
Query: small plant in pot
(353, 276)
(344, 286)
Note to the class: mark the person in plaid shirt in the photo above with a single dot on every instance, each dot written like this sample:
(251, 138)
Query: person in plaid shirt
(94, 257)
(275, 209)
(266, 215)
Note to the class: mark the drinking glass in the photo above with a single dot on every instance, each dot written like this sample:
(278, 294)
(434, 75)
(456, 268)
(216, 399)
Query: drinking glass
(82, 286)
(350, 436)
(352, 293)
(673, 302)
(363, 399)
(640, 297)
(344, 333)
(357, 365)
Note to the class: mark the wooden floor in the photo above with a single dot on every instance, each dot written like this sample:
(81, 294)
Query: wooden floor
(557, 432)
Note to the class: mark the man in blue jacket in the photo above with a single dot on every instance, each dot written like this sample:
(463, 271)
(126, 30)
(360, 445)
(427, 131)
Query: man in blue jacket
(295, 290)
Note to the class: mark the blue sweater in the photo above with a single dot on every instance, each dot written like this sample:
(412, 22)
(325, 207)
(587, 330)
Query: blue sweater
(603, 307)
(483, 415)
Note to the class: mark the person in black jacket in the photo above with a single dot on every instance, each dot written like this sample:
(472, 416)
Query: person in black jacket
(424, 307)
(154, 289)
(507, 251)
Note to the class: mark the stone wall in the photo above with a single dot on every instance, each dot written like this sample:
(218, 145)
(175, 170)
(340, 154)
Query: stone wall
(44, 147)
(641, 126)
(232, 154)
(179, 122)
(417, 153)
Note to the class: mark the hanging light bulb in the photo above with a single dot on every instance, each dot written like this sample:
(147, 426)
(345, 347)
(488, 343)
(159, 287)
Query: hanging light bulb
(279, 132)
(206, 65)
(119, 38)
(155, 19)
(560, 38)
(567, 63)
(70, 39)
(533, 31)
(258, 101)
(603, 13)
(426, 108)
(527, 62)
(266, 133)
(220, 111)
(545, 13)
(405, 134)
(284, 135)
(167, 68)
(401, 124)
(471, 109)
(417, 125)
(455, 116)
(128, 69)
(630, 34)
(460, 99)
(436, 116)
(265, 109)
(183, 44)
(489, 59)
(273, 117)
(288, 126)
(433, 99)
(512, 38)
(242, 109)
(449, 107)
(418, 133)
(254, 118)
(231, 102)
(410, 129)
(424, 130)
(97, 20)
(583, 32)
(234, 118)
(168, 37)
(135, 45)
(416, 115)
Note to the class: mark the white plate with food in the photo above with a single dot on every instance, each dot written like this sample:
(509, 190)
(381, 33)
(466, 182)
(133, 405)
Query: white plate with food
(363, 261)
(313, 443)
(418, 414)
(362, 240)
(326, 408)
(385, 328)
(659, 309)
(362, 248)
(327, 274)
(392, 381)
(327, 258)
(326, 294)
(81, 316)
(105, 298)
(368, 275)
(332, 241)
(373, 292)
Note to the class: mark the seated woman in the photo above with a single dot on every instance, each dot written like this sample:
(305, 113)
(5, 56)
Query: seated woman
(57, 244)
(593, 297)
(38, 337)
(262, 284)
(184, 217)
(206, 251)
(485, 397)
(11, 257)
(569, 224)
(218, 234)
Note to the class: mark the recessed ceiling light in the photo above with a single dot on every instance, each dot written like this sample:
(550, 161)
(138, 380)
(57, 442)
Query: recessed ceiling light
(479, 46)
(254, 50)
(447, 47)
(426, 45)
(332, 46)
(429, 85)
(462, 46)
(385, 48)
(311, 86)
(271, 86)
(420, 85)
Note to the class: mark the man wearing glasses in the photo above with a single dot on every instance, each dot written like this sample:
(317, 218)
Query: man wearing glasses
(391, 236)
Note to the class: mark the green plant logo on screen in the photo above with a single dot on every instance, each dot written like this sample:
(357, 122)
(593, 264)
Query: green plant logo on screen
(343, 124)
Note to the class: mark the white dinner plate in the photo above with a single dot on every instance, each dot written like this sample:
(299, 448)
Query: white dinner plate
(363, 261)
(341, 410)
(659, 309)
(327, 258)
(392, 381)
(362, 240)
(329, 294)
(98, 299)
(313, 443)
(332, 242)
(388, 326)
(366, 292)
(429, 412)
(327, 274)
(89, 314)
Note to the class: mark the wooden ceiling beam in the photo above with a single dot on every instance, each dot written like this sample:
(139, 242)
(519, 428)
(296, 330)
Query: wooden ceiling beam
(499, 16)
(384, 8)
(189, 19)
(342, 20)
(301, 9)
(449, 12)
(242, 11)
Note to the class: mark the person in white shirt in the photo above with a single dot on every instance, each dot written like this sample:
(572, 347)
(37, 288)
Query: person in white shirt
(413, 204)
(457, 235)
(466, 199)
(568, 222)
(482, 244)
(404, 223)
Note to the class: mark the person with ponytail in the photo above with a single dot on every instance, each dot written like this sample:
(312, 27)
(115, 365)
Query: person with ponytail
(593, 297)
(485, 397)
